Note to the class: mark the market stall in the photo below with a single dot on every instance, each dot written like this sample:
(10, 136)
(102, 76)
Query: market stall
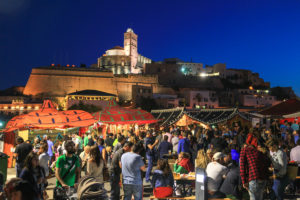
(114, 118)
(47, 118)
(203, 117)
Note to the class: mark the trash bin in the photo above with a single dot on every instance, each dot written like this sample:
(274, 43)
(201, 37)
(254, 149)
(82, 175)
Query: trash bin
(3, 165)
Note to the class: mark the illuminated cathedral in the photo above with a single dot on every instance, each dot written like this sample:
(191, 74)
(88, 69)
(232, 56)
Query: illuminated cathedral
(124, 60)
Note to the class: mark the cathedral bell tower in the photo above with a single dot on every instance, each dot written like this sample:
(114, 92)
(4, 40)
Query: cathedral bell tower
(130, 47)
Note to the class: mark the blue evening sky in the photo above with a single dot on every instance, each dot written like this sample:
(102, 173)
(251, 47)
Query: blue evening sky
(259, 35)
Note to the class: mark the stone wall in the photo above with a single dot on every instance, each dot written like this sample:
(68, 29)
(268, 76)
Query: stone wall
(62, 81)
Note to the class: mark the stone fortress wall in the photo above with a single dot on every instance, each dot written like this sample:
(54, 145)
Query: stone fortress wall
(61, 81)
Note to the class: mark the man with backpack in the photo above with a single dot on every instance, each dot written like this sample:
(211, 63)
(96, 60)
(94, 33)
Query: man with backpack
(68, 167)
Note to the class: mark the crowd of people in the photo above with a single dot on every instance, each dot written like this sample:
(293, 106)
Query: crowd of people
(237, 161)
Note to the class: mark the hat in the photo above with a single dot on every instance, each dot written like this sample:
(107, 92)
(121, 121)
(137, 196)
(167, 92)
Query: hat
(44, 136)
(218, 156)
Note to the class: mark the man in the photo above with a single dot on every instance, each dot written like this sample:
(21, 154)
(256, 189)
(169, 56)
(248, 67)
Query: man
(164, 147)
(141, 142)
(218, 143)
(279, 164)
(86, 139)
(295, 156)
(109, 140)
(232, 181)
(78, 143)
(68, 167)
(295, 126)
(121, 141)
(21, 152)
(254, 171)
(216, 171)
(132, 164)
(150, 153)
(50, 147)
(175, 141)
(115, 170)
(184, 144)
(169, 135)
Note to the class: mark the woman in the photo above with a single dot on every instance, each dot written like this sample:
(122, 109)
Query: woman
(36, 144)
(102, 149)
(202, 159)
(85, 156)
(34, 174)
(162, 180)
(183, 164)
(95, 164)
(44, 158)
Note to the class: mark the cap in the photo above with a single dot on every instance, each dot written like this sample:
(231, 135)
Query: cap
(218, 156)
(44, 136)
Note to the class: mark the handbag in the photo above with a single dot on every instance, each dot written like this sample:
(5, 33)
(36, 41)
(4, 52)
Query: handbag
(162, 192)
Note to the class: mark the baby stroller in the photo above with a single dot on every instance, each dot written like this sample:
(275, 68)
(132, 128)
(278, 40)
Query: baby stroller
(61, 193)
(90, 189)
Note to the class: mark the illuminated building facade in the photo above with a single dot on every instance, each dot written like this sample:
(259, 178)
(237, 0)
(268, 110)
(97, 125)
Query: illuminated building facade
(92, 97)
(18, 106)
(124, 60)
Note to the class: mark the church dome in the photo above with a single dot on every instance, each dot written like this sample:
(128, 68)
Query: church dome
(115, 51)
(117, 47)
(129, 30)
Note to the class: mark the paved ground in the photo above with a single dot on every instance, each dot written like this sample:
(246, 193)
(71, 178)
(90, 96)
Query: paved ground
(11, 173)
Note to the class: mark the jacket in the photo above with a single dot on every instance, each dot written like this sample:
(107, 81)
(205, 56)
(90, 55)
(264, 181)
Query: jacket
(160, 180)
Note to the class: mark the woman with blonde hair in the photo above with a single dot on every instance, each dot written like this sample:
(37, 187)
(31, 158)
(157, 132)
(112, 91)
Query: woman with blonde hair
(202, 159)
(85, 156)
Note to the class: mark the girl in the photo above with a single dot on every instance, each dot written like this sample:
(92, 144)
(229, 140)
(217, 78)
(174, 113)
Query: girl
(183, 164)
(162, 180)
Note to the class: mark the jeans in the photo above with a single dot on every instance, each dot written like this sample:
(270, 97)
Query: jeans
(278, 187)
(149, 168)
(19, 167)
(115, 186)
(256, 189)
(135, 190)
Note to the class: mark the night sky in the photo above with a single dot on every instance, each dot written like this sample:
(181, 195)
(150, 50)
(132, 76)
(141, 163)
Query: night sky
(259, 35)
